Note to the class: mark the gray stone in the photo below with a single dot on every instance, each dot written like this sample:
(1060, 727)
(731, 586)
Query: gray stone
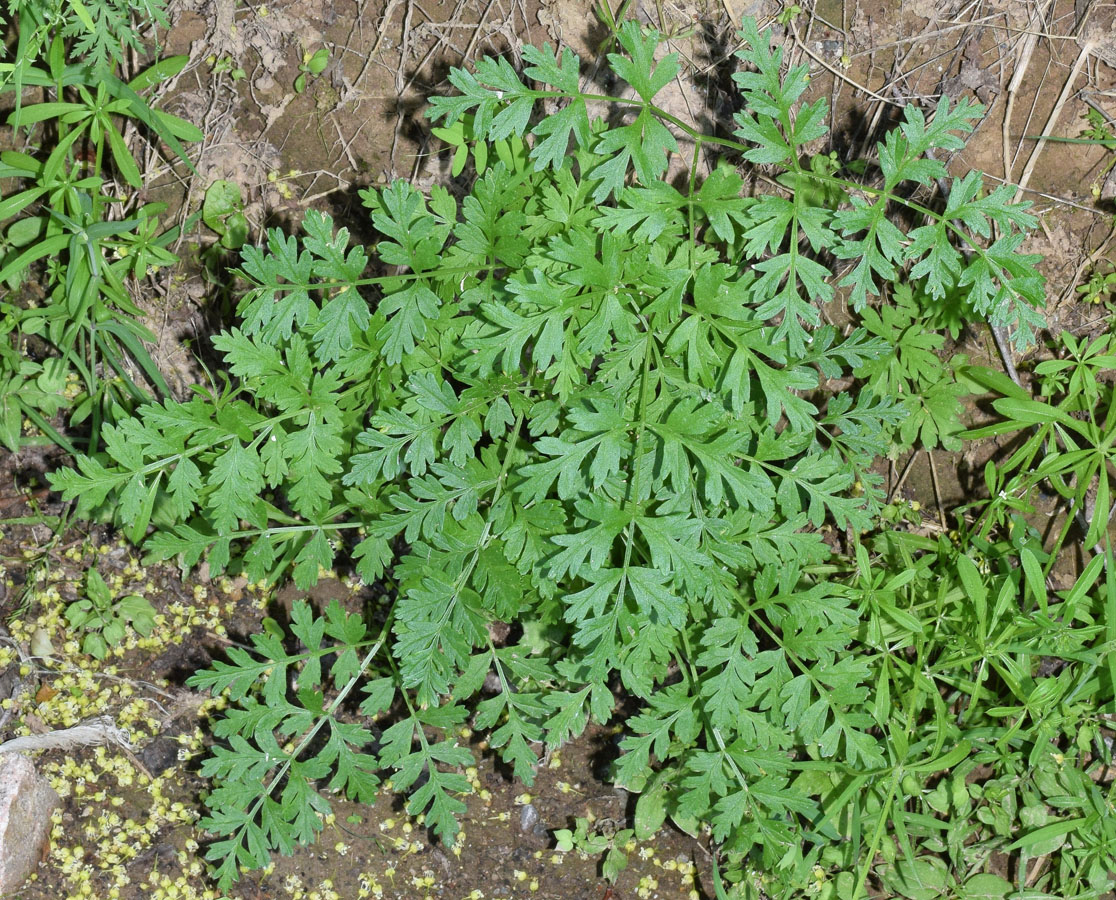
(26, 802)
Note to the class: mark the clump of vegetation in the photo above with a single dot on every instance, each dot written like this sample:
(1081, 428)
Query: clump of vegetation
(603, 406)
(69, 230)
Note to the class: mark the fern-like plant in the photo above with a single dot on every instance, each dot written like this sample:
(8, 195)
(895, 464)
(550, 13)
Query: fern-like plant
(581, 398)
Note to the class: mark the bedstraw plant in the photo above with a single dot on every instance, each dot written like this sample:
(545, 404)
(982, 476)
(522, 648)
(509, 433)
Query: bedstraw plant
(607, 407)
(75, 240)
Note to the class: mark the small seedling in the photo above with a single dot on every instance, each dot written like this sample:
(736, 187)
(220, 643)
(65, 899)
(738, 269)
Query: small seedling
(461, 135)
(594, 843)
(312, 65)
(1100, 130)
(226, 64)
(1100, 286)
(789, 14)
(104, 620)
(223, 211)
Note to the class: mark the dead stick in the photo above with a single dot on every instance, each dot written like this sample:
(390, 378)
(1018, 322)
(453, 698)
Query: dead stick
(1067, 89)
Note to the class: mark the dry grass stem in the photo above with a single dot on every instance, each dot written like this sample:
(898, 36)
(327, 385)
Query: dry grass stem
(1052, 121)
(1023, 62)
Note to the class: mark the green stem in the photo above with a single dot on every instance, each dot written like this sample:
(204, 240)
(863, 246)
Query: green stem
(317, 726)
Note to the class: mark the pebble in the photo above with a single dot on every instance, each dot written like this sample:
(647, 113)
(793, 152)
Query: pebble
(528, 818)
(531, 823)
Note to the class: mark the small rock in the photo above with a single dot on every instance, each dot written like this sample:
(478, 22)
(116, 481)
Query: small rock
(26, 802)
(528, 818)
(530, 822)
